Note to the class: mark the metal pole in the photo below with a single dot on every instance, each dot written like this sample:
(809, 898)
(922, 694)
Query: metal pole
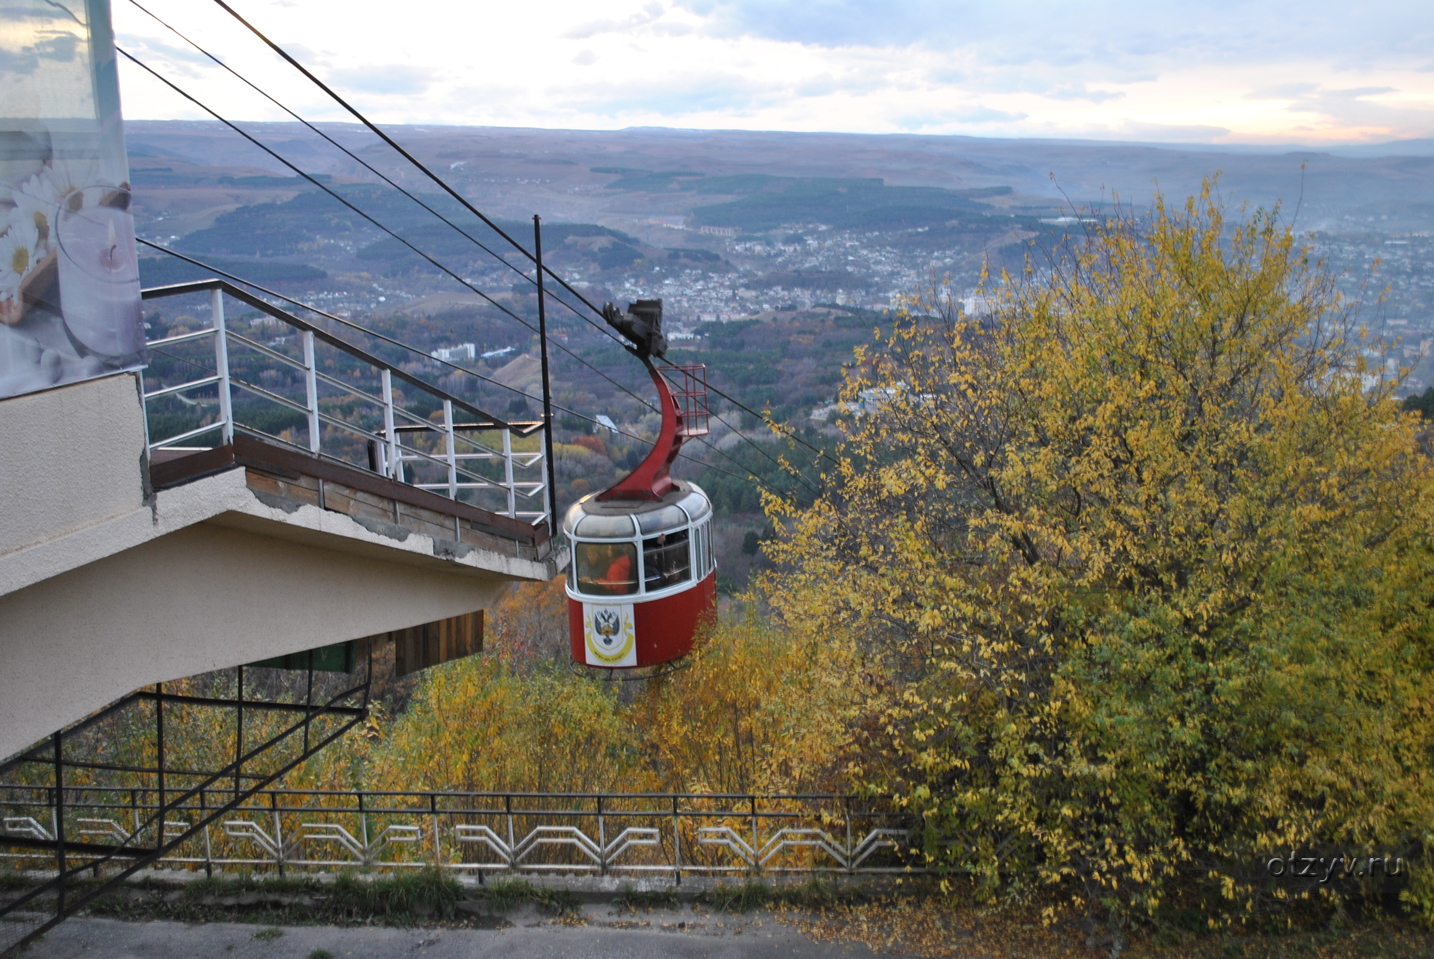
(452, 452)
(363, 829)
(278, 830)
(159, 753)
(311, 386)
(394, 466)
(512, 855)
(756, 850)
(849, 856)
(239, 737)
(144, 410)
(61, 865)
(602, 840)
(309, 703)
(547, 383)
(221, 364)
(676, 844)
(508, 473)
(208, 847)
(437, 849)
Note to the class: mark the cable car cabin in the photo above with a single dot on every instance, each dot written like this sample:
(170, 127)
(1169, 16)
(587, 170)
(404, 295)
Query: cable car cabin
(642, 577)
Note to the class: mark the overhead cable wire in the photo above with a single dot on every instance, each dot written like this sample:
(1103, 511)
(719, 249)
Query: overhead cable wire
(776, 427)
(345, 150)
(377, 131)
(176, 88)
(442, 184)
(404, 346)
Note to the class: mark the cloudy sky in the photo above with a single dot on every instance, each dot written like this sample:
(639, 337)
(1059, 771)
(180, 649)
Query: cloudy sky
(1233, 71)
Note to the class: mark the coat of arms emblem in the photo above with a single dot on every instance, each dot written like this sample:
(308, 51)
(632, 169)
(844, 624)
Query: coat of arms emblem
(609, 635)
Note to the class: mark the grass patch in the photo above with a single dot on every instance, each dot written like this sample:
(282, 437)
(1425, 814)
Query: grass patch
(427, 892)
(268, 935)
(504, 894)
(11, 879)
(395, 900)
(815, 894)
(634, 899)
(321, 954)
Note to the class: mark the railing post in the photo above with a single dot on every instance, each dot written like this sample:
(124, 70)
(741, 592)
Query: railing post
(61, 864)
(512, 852)
(850, 868)
(208, 847)
(602, 840)
(363, 831)
(221, 364)
(394, 467)
(159, 755)
(144, 410)
(676, 844)
(452, 452)
(548, 493)
(311, 385)
(508, 473)
(437, 849)
(756, 850)
(278, 831)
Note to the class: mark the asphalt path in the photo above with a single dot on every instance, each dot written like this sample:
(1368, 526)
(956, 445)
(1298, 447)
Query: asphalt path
(594, 934)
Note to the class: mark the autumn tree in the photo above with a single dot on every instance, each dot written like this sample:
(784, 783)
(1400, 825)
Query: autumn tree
(1146, 565)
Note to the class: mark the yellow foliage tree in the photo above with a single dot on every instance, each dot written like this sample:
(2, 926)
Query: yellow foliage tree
(1147, 570)
(757, 709)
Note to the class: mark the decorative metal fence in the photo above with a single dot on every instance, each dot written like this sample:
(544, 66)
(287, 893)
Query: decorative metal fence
(636, 834)
(277, 377)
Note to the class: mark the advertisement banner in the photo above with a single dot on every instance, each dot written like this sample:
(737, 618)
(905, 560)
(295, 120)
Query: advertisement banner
(69, 276)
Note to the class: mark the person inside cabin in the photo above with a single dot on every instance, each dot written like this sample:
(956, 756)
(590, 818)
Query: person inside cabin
(619, 578)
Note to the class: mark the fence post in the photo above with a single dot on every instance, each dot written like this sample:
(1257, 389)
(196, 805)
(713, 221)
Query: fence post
(602, 840)
(221, 363)
(508, 473)
(512, 853)
(850, 855)
(311, 386)
(676, 844)
(437, 849)
(756, 849)
(61, 864)
(278, 831)
(547, 481)
(394, 466)
(208, 848)
(363, 830)
(451, 451)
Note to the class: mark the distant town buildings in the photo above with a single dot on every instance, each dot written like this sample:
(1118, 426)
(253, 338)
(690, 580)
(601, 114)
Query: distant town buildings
(718, 230)
(455, 354)
(979, 305)
(604, 422)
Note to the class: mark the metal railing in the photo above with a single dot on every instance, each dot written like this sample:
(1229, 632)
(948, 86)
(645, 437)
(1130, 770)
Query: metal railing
(672, 834)
(318, 393)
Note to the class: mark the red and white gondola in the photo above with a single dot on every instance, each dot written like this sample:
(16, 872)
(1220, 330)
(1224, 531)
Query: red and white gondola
(643, 578)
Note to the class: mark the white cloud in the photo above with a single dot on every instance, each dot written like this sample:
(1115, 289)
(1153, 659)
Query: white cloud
(1275, 71)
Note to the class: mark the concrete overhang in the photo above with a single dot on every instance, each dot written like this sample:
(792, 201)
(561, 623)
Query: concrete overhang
(243, 553)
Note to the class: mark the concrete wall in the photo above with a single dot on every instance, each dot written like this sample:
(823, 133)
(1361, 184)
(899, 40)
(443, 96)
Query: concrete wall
(69, 458)
(105, 587)
(205, 597)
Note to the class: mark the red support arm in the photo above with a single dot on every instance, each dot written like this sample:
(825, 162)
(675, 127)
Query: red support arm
(650, 481)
